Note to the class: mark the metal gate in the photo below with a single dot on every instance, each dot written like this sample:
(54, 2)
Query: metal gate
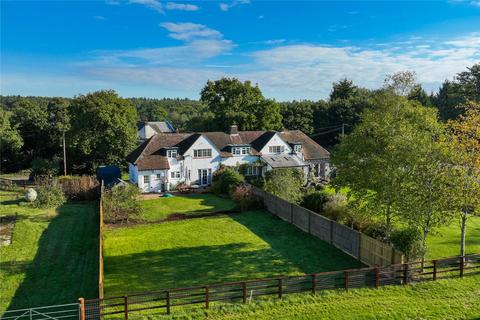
(69, 311)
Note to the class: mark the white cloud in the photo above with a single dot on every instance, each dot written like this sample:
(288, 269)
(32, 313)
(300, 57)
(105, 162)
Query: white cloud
(181, 6)
(152, 4)
(99, 17)
(227, 6)
(188, 31)
(275, 41)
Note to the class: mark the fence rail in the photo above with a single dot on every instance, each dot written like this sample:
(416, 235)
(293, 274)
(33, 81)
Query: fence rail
(364, 248)
(62, 311)
(371, 277)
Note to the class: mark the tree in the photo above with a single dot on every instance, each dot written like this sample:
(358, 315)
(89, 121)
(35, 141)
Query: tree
(379, 155)
(298, 115)
(103, 131)
(401, 83)
(464, 144)
(235, 102)
(285, 183)
(418, 94)
(59, 115)
(344, 89)
(10, 141)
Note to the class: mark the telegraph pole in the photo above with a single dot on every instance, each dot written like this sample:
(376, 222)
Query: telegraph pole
(343, 130)
(64, 156)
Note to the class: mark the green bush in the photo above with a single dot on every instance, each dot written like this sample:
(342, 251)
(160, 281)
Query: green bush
(49, 195)
(336, 207)
(41, 167)
(285, 183)
(409, 241)
(225, 180)
(120, 204)
(315, 200)
(243, 195)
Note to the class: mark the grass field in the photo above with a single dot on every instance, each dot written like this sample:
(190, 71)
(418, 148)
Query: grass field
(161, 208)
(442, 299)
(446, 241)
(210, 250)
(53, 257)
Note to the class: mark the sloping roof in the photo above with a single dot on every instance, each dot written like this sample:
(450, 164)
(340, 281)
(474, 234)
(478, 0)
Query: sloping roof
(311, 149)
(157, 126)
(283, 161)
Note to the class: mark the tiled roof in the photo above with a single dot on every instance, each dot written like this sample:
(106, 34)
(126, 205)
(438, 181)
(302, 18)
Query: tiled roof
(311, 149)
(157, 126)
(283, 161)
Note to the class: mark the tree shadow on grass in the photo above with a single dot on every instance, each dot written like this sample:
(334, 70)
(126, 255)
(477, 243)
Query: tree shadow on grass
(65, 266)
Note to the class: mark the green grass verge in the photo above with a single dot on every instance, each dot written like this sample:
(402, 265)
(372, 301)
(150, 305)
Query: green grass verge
(53, 257)
(161, 208)
(442, 299)
(211, 250)
(445, 242)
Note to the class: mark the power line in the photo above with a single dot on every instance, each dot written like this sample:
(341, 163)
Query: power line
(326, 132)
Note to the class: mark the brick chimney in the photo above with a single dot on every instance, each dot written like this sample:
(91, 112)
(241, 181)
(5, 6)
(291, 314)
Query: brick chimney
(234, 129)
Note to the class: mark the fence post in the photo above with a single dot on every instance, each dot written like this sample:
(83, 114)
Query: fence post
(167, 293)
(244, 292)
(377, 277)
(434, 269)
(81, 303)
(314, 283)
(280, 288)
(346, 279)
(405, 273)
(207, 297)
(125, 307)
(462, 265)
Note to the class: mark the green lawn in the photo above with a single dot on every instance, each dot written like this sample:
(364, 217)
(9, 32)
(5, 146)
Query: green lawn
(442, 299)
(446, 241)
(161, 208)
(210, 250)
(53, 258)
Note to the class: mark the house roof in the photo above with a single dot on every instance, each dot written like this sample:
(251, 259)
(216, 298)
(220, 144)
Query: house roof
(283, 161)
(157, 126)
(147, 155)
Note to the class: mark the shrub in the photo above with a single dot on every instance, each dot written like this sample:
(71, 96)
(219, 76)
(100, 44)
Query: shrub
(80, 187)
(315, 200)
(44, 167)
(336, 207)
(120, 204)
(243, 195)
(409, 241)
(285, 183)
(225, 179)
(49, 195)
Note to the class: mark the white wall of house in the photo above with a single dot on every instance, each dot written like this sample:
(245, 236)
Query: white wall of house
(156, 180)
(192, 164)
(276, 141)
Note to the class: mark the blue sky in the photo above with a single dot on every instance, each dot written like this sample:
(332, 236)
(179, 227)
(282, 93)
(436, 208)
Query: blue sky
(292, 49)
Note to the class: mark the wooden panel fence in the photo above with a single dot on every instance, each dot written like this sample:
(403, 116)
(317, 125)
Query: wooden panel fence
(100, 244)
(163, 301)
(364, 248)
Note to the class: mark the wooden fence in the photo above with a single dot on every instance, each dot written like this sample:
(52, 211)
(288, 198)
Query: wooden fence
(163, 301)
(360, 246)
(100, 243)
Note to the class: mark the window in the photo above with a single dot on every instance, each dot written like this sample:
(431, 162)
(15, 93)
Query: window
(297, 148)
(275, 149)
(146, 179)
(159, 176)
(252, 171)
(175, 174)
(172, 153)
(202, 153)
(241, 150)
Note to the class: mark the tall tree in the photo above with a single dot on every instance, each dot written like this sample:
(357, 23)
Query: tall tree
(344, 89)
(464, 143)
(59, 115)
(103, 131)
(401, 83)
(10, 142)
(298, 115)
(235, 102)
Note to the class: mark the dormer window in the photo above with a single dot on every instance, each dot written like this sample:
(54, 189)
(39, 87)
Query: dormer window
(171, 153)
(240, 151)
(297, 148)
(275, 149)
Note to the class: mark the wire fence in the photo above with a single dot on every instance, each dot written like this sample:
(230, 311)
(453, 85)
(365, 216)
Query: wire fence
(62, 311)
(163, 301)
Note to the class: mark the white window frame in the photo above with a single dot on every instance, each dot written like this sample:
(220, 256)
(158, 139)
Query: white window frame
(297, 148)
(252, 171)
(146, 179)
(175, 174)
(172, 153)
(241, 151)
(202, 153)
(276, 149)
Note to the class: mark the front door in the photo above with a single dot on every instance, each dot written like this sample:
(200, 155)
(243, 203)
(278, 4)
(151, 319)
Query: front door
(204, 176)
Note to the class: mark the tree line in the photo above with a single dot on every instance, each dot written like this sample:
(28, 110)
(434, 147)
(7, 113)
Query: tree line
(100, 127)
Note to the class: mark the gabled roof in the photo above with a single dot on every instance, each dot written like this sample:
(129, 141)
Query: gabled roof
(311, 149)
(157, 126)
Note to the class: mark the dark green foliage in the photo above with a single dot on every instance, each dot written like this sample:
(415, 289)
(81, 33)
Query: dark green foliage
(418, 94)
(336, 207)
(49, 195)
(285, 183)
(120, 204)
(44, 167)
(10, 141)
(408, 241)
(234, 102)
(225, 179)
(315, 200)
(298, 115)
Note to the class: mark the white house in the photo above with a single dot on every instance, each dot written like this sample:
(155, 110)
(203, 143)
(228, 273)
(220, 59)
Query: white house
(166, 159)
(147, 129)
